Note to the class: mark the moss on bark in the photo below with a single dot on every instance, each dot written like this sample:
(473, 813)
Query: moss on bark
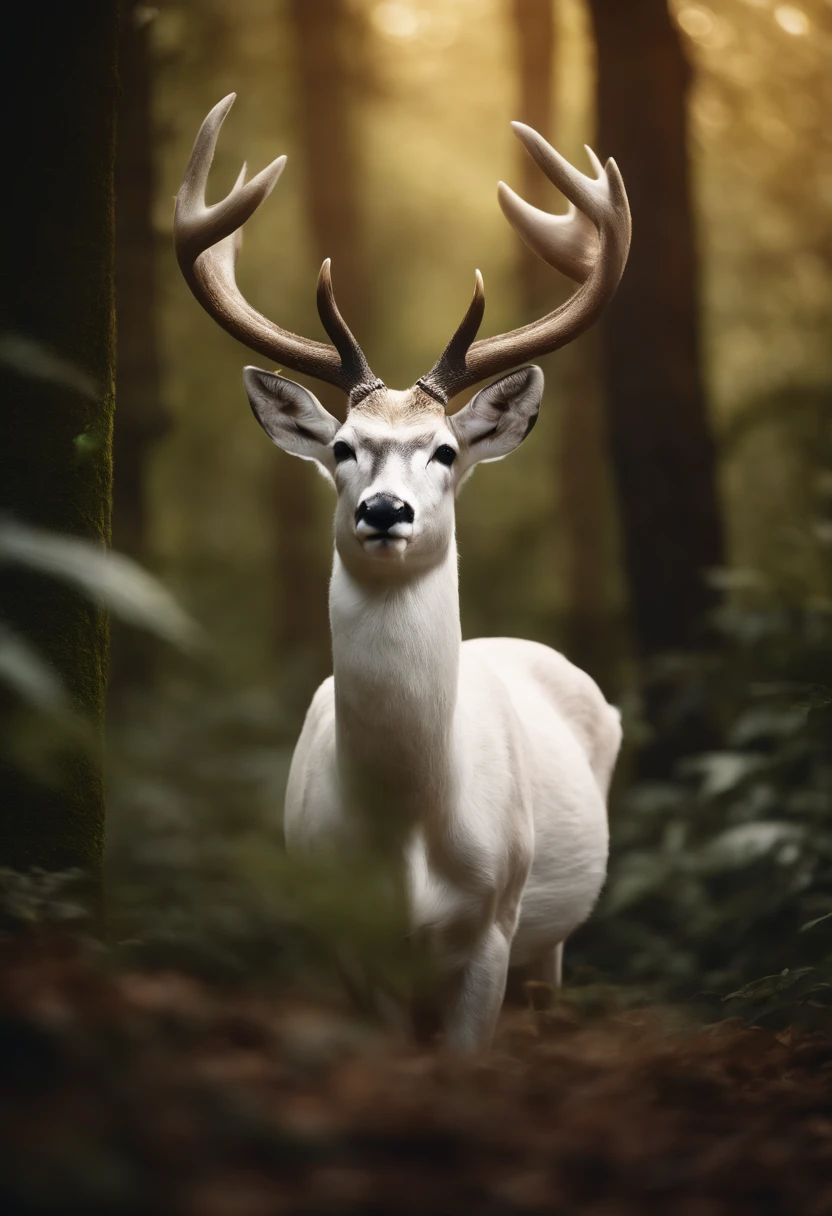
(56, 214)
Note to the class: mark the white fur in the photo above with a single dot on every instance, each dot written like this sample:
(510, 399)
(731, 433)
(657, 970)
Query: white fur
(488, 761)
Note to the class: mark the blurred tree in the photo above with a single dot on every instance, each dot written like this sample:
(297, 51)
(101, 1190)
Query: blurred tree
(591, 639)
(534, 40)
(58, 76)
(330, 65)
(580, 514)
(662, 450)
(328, 46)
(141, 418)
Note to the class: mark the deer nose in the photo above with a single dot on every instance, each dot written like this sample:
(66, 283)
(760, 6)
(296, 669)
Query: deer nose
(382, 511)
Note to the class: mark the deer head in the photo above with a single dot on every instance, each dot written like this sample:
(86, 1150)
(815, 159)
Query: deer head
(398, 459)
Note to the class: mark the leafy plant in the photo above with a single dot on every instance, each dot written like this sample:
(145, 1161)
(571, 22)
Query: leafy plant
(715, 873)
(45, 716)
(41, 897)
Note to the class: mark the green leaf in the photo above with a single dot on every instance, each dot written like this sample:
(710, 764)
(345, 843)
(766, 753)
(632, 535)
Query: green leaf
(26, 673)
(113, 580)
(745, 844)
(33, 361)
(768, 721)
(769, 985)
(723, 771)
(88, 443)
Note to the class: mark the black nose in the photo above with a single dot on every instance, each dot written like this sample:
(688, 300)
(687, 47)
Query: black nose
(381, 511)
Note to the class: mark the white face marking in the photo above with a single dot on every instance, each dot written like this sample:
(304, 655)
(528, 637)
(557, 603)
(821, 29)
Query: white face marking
(397, 461)
(395, 495)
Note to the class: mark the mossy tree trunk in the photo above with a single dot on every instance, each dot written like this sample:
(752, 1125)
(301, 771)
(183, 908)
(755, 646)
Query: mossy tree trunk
(56, 215)
(141, 419)
(662, 450)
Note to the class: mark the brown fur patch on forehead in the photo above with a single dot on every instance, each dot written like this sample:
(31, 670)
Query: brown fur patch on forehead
(395, 407)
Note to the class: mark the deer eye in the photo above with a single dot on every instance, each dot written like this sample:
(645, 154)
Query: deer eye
(445, 454)
(342, 451)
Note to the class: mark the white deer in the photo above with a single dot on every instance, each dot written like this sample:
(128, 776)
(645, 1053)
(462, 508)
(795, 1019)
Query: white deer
(491, 759)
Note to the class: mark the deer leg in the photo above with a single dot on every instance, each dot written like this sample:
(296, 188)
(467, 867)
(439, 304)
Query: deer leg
(475, 994)
(544, 978)
(550, 968)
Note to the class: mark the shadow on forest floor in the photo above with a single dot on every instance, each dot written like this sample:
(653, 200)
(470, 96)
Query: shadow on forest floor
(140, 1092)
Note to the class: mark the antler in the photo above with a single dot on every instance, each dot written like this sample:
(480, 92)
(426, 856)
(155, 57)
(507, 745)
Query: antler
(589, 244)
(207, 241)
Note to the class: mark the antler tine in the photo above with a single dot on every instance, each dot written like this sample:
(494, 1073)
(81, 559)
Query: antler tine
(584, 192)
(589, 244)
(352, 357)
(197, 226)
(567, 242)
(456, 350)
(207, 240)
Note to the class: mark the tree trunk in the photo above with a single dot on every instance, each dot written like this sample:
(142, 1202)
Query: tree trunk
(591, 640)
(141, 419)
(662, 449)
(579, 509)
(330, 55)
(327, 52)
(56, 213)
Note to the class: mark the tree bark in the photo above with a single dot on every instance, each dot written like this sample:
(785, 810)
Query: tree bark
(590, 637)
(328, 50)
(662, 448)
(56, 212)
(141, 419)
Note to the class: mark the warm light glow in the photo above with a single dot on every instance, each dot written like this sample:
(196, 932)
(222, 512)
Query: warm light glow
(696, 21)
(711, 112)
(440, 28)
(792, 20)
(396, 20)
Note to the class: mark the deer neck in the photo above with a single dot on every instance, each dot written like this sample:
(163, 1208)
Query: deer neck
(396, 665)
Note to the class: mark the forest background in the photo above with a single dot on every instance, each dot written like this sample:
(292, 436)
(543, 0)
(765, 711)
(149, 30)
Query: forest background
(669, 525)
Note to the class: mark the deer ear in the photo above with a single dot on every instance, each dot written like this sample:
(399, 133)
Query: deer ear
(291, 416)
(499, 417)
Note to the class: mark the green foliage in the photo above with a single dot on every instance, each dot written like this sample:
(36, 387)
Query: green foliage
(197, 873)
(715, 873)
(39, 898)
(115, 582)
(723, 874)
(800, 998)
(44, 721)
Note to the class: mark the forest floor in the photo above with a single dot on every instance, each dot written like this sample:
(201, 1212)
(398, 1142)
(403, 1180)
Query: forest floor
(154, 1093)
